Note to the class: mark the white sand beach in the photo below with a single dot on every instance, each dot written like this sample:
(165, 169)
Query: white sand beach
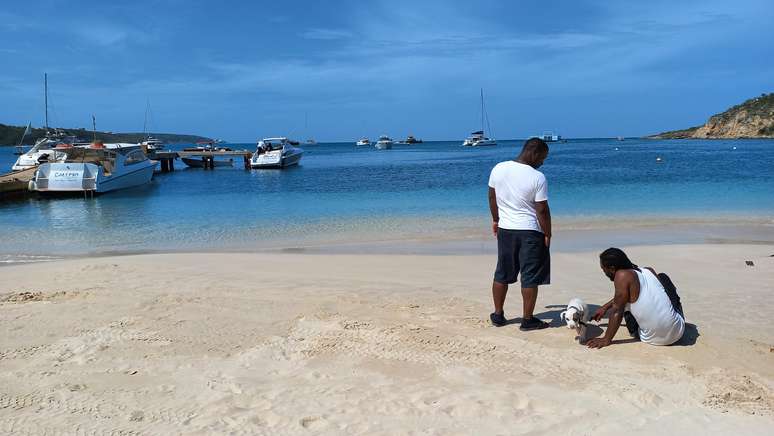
(238, 343)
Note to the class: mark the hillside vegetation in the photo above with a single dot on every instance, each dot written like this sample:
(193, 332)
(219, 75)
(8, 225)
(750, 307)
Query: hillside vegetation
(10, 135)
(752, 119)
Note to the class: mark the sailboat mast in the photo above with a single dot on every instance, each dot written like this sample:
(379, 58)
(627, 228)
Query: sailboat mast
(145, 122)
(45, 93)
(482, 109)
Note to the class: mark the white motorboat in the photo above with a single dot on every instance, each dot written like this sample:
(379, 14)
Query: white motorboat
(276, 152)
(45, 150)
(548, 137)
(384, 143)
(478, 138)
(363, 141)
(97, 168)
(152, 144)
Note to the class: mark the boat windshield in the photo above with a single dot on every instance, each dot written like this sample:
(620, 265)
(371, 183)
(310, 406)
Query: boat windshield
(43, 144)
(93, 155)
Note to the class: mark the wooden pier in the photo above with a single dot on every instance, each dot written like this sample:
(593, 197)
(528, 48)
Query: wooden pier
(15, 184)
(167, 158)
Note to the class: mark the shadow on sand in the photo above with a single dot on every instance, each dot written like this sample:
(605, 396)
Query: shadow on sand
(689, 338)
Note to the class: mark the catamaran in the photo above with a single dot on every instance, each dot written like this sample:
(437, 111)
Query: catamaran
(478, 138)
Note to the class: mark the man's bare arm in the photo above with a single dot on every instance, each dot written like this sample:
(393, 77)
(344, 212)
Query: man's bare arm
(493, 210)
(623, 283)
(543, 213)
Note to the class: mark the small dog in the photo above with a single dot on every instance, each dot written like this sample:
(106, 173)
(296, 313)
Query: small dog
(576, 316)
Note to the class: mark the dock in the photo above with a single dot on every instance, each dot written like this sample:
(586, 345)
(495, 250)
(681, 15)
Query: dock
(14, 184)
(167, 158)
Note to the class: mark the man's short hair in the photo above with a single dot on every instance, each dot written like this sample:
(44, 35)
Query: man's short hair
(535, 145)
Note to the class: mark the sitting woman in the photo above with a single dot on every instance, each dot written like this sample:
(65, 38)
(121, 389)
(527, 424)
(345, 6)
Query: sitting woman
(652, 312)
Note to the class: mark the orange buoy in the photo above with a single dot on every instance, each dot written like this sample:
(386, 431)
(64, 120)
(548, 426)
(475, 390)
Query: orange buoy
(97, 144)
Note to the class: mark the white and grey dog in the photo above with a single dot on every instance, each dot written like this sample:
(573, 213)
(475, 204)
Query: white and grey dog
(576, 316)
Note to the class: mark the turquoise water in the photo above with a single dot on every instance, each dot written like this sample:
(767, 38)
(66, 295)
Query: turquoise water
(340, 192)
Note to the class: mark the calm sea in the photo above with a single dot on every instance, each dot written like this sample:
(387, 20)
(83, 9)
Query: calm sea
(345, 193)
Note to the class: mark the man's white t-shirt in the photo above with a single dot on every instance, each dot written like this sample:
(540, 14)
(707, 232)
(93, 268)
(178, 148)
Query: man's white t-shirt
(517, 187)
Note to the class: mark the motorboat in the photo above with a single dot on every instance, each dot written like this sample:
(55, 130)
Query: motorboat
(46, 149)
(412, 140)
(276, 152)
(152, 144)
(548, 137)
(96, 169)
(477, 139)
(384, 143)
(363, 141)
(194, 162)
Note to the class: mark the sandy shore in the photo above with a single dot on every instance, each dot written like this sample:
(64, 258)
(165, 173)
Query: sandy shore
(372, 344)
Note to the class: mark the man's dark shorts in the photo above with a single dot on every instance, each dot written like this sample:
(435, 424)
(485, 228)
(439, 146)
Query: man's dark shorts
(522, 251)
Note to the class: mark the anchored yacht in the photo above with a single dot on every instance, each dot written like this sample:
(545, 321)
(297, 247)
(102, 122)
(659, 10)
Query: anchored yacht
(384, 143)
(478, 138)
(276, 152)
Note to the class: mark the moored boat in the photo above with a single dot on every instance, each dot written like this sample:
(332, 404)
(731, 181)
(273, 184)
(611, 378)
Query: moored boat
(363, 141)
(278, 152)
(97, 168)
(384, 143)
(548, 137)
(478, 138)
(200, 163)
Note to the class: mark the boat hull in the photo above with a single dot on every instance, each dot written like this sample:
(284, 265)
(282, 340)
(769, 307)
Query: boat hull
(269, 160)
(199, 163)
(484, 143)
(88, 177)
(383, 145)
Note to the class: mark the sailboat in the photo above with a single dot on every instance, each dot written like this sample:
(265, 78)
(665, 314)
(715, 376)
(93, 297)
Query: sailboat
(478, 138)
(306, 129)
(44, 148)
(149, 143)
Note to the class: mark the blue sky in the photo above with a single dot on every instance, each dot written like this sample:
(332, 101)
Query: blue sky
(243, 70)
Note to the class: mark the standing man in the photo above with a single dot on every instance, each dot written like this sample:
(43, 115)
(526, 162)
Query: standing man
(521, 221)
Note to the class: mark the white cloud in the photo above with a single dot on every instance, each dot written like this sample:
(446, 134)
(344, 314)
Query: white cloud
(326, 34)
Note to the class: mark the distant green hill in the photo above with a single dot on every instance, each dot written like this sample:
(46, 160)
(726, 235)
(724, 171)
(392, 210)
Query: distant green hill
(10, 135)
(752, 119)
